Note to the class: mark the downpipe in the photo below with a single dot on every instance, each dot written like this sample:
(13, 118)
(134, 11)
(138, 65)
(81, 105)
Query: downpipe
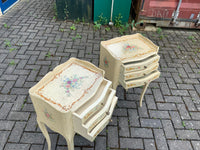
(111, 23)
(198, 20)
(176, 13)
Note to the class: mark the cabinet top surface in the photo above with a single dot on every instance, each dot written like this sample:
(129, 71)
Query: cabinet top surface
(130, 47)
(73, 83)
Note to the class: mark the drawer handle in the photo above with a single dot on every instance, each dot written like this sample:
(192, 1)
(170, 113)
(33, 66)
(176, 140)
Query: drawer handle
(102, 104)
(145, 67)
(144, 74)
(107, 113)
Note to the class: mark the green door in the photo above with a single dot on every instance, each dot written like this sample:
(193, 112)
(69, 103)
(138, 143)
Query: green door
(103, 7)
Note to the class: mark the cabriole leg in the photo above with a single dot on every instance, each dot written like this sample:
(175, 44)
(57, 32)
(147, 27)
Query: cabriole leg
(45, 133)
(70, 141)
(143, 92)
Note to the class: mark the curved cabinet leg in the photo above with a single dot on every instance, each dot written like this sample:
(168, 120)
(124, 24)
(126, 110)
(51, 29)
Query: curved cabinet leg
(45, 133)
(143, 92)
(70, 141)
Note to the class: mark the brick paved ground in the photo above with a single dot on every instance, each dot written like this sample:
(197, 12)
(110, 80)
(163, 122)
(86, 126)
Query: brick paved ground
(169, 118)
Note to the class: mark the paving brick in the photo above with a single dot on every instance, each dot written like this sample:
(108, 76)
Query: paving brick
(100, 143)
(9, 77)
(171, 83)
(197, 87)
(21, 64)
(180, 92)
(20, 81)
(168, 129)
(37, 147)
(166, 106)
(177, 78)
(32, 123)
(17, 132)
(192, 124)
(185, 86)
(32, 138)
(195, 115)
(123, 127)
(32, 75)
(187, 134)
(133, 117)
(160, 139)
(158, 114)
(7, 87)
(176, 119)
(183, 111)
(141, 133)
(173, 99)
(53, 138)
(113, 137)
(18, 104)
(4, 110)
(2, 57)
(190, 81)
(3, 138)
(196, 145)
(149, 144)
(158, 96)
(143, 111)
(151, 123)
(126, 104)
(165, 89)
(131, 143)
(189, 104)
(6, 125)
(195, 97)
(80, 141)
(18, 116)
(14, 146)
(179, 145)
(150, 102)
(120, 112)
(19, 91)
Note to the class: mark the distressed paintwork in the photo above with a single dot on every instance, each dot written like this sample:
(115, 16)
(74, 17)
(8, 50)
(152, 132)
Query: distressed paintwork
(69, 122)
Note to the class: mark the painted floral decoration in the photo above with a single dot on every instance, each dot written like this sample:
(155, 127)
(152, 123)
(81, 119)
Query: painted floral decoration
(105, 62)
(48, 116)
(129, 47)
(74, 82)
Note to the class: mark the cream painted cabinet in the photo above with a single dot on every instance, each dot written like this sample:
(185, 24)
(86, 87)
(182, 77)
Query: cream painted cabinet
(73, 98)
(130, 60)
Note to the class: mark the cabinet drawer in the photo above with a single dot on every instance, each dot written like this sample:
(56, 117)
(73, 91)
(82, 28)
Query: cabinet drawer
(139, 65)
(140, 73)
(140, 81)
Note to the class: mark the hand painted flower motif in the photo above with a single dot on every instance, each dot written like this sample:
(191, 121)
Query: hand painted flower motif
(105, 62)
(129, 47)
(47, 115)
(74, 82)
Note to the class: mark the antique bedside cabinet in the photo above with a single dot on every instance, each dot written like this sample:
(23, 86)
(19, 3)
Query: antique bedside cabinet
(73, 98)
(131, 61)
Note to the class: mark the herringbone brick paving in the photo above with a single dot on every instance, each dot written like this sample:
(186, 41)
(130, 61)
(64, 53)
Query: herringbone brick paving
(35, 43)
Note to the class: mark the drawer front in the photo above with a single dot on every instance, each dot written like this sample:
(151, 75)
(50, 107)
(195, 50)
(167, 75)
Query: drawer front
(139, 65)
(140, 81)
(140, 73)
(104, 122)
